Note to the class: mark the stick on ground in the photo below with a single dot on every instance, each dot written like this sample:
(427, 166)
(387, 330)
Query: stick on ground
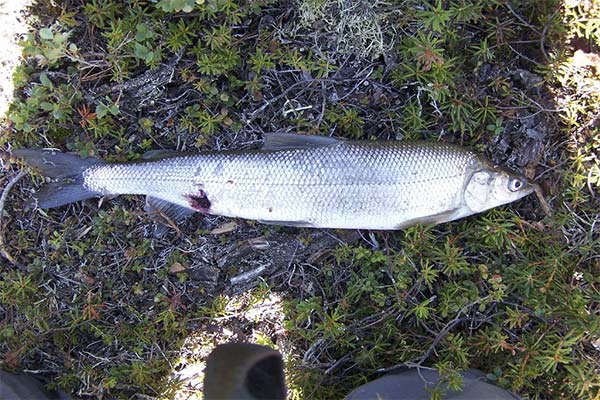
(5, 192)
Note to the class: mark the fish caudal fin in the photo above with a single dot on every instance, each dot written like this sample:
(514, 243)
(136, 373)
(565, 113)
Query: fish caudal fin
(67, 172)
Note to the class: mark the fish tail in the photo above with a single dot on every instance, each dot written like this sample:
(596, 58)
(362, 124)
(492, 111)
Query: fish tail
(67, 172)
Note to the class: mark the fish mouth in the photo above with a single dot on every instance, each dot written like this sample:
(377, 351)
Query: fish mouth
(530, 187)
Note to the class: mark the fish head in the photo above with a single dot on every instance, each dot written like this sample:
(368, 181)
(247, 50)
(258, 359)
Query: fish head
(492, 186)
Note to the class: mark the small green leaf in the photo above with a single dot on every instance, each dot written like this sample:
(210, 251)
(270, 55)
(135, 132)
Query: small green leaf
(101, 111)
(46, 106)
(149, 57)
(16, 118)
(143, 32)
(177, 5)
(45, 80)
(57, 113)
(46, 34)
(141, 51)
(114, 109)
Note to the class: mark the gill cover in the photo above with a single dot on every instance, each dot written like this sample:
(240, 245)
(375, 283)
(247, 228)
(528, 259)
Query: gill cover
(491, 188)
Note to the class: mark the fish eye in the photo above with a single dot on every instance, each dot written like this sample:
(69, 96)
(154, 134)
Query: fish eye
(515, 184)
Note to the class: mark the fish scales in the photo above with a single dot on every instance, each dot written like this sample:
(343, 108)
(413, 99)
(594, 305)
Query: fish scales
(342, 186)
(298, 181)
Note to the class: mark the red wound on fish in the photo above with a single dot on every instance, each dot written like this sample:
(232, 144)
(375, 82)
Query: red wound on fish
(199, 201)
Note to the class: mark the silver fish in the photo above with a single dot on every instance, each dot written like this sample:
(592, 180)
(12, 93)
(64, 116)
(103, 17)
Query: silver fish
(296, 180)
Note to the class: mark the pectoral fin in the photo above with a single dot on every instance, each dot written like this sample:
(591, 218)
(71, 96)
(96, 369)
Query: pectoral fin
(166, 215)
(432, 219)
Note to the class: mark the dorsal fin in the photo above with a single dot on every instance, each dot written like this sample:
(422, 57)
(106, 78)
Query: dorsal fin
(286, 141)
(159, 154)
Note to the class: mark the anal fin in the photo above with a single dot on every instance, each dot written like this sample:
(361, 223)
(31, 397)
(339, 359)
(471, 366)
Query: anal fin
(166, 215)
(296, 224)
(439, 218)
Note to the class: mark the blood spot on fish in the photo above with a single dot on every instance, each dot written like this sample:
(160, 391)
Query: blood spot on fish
(199, 201)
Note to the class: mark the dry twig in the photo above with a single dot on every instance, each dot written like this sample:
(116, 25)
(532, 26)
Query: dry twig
(5, 192)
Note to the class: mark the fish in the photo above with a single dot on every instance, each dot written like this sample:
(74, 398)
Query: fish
(294, 180)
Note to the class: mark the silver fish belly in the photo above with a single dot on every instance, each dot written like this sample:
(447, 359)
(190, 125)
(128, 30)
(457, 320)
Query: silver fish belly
(328, 184)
